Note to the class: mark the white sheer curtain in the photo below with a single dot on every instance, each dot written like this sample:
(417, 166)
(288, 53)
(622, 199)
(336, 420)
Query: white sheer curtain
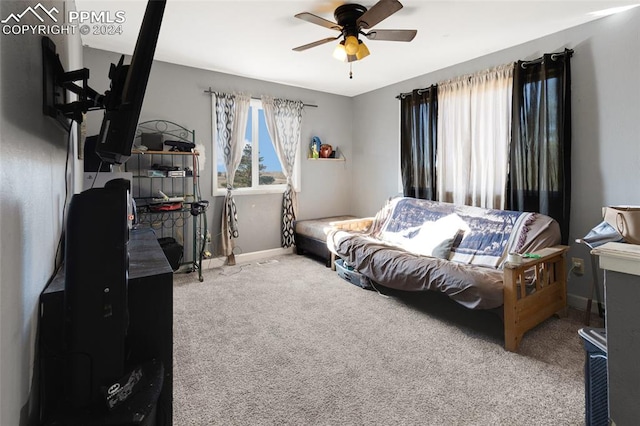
(284, 119)
(230, 112)
(453, 163)
(474, 132)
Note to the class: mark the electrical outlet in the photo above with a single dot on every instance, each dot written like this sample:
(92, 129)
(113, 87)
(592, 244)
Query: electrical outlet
(577, 265)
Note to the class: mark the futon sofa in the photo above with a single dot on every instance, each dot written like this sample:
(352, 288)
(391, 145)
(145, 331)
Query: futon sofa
(481, 258)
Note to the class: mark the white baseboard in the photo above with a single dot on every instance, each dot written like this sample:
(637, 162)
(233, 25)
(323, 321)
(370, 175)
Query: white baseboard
(246, 257)
(580, 302)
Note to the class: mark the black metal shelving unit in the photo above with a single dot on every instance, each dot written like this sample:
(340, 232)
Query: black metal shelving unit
(157, 173)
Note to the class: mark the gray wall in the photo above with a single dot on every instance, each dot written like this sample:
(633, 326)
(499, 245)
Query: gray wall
(176, 93)
(32, 196)
(606, 125)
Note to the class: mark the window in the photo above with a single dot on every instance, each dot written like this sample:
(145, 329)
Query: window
(259, 169)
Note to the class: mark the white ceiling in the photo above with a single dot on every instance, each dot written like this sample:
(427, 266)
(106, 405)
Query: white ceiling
(254, 38)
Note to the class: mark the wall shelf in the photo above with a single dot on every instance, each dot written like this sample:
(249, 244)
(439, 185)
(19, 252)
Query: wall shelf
(326, 159)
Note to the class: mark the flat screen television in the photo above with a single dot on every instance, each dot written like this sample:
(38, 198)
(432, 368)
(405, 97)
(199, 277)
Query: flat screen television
(123, 101)
(97, 236)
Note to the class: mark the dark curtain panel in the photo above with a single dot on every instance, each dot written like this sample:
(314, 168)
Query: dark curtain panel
(540, 168)
(418, 130)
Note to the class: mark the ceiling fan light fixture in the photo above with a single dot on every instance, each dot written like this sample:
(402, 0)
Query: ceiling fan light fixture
(363, 51)
(340, 53)
(350, 21)
(351, 44)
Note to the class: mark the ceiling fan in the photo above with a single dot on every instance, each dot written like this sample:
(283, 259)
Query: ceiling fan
(352, 21)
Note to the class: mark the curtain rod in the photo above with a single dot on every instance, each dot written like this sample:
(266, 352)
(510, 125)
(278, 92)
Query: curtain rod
(419, 91)
(211, 92)
(554, 56)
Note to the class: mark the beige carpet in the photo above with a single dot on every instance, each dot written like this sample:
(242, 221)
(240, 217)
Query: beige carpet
(288, 342)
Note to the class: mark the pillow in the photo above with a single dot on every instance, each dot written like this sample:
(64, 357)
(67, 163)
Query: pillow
(435, 239)
(443, 250)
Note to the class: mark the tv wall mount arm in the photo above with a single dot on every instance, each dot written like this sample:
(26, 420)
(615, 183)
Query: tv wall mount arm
(55, 84)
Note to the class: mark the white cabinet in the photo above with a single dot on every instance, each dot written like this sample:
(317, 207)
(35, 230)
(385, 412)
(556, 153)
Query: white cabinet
(621, 264)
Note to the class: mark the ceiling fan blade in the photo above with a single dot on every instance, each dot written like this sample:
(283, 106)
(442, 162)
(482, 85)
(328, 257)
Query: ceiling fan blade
(391, 35)
(378, 12)
(315, 43)
(315, 19)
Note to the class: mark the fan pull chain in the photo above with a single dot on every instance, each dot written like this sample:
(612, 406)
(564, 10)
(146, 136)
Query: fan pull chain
(350, 71)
